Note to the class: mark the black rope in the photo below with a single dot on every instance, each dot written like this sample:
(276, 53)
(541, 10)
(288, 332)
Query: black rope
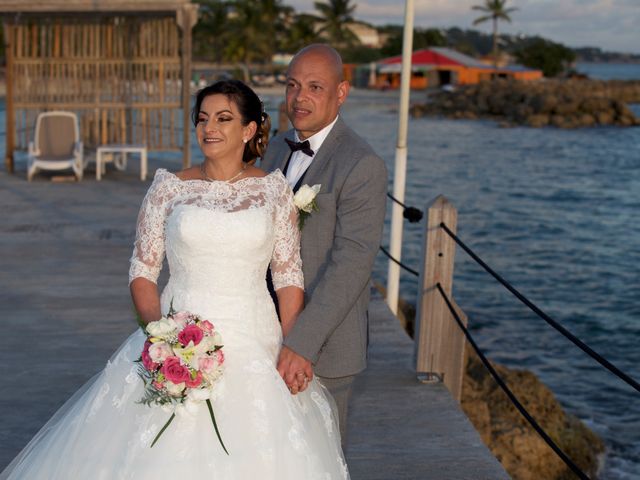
(579, 343)
(408, 269)
(510, 394)
(410, 213)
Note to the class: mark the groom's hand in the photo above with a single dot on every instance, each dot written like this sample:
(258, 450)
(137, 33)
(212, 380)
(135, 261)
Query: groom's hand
(295, 370)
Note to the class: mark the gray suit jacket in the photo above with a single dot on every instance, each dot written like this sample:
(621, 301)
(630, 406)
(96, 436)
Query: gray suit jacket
(338, 247)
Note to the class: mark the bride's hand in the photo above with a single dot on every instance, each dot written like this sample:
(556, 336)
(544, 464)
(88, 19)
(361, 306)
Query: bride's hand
(295, 370)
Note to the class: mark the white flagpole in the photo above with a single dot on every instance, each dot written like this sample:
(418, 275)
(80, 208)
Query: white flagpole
(400, 168)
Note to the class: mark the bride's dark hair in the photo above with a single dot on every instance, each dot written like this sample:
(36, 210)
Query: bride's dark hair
(250, 108)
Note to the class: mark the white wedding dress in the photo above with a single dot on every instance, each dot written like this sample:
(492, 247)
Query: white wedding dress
(219, 239)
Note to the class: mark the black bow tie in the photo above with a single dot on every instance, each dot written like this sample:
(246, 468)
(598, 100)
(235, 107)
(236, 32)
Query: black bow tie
(305, 146)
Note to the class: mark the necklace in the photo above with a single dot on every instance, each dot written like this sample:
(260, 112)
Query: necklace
(203, 172)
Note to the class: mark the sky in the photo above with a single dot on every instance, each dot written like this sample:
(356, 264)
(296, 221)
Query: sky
(612, 25)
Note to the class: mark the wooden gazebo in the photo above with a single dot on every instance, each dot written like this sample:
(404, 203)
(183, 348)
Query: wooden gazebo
(123, 66)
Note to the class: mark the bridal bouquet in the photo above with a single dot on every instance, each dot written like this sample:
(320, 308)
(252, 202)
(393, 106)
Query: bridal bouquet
(180, 363)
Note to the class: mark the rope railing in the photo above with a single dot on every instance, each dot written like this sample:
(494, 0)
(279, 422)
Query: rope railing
(434, 317)
(574, 468)
(412, 214)
(575, 340)
(398, 262)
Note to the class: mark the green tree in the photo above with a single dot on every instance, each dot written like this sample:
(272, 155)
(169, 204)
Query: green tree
(552, 58)
(335, 17)
(210, 34)
(422, 38)
(254, 31)
(300, 31)
(494, 10)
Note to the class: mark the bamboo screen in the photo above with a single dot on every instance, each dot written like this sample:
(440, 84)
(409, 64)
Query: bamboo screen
(121, 75)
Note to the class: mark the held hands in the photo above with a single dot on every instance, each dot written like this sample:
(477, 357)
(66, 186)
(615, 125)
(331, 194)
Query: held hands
(295, 370)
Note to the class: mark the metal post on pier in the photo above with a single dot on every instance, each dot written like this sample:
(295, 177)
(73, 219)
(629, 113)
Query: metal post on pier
(400, 168)
(439, 343)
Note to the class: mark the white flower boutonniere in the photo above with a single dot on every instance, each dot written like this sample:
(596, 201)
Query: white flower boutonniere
(305, 202)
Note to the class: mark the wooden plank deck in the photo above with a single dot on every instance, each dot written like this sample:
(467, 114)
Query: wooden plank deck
(63, 288)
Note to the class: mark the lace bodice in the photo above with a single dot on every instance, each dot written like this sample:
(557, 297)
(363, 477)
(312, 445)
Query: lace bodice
(224, 234)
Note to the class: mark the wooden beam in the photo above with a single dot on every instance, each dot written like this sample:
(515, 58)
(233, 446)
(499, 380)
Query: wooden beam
(91, 6)
(9, 113)
(440, 344)
(186, 18)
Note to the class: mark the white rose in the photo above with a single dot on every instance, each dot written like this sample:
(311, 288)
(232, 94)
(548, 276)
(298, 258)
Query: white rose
(304, 197)
(160, 351)
(175, 390)
(216, 339)
(163, 328)
(205, 345)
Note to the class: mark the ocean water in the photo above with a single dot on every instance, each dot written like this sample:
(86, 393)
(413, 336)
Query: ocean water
(610, 71)
(555, 212)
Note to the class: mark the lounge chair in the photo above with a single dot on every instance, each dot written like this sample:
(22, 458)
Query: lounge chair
(56, 144)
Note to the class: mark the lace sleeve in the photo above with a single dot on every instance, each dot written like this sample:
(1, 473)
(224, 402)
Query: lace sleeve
(148, 248)
(286, 266)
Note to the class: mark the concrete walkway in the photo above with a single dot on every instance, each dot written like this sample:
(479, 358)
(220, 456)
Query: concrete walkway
(64, 250)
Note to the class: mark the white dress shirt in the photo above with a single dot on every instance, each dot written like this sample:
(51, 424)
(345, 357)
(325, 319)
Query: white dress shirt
(299, 162)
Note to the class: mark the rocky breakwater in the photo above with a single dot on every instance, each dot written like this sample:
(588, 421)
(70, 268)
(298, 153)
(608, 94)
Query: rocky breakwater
(522, 452)
(559, 103)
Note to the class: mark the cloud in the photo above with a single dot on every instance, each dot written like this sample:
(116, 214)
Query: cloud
(608, 24)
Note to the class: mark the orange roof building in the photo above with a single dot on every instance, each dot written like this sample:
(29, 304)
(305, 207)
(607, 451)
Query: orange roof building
(438, 66)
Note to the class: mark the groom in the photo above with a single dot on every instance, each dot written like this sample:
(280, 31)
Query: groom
(339, 240)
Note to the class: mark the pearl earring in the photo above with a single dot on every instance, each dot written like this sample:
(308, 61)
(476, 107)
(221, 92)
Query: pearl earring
(245, 140)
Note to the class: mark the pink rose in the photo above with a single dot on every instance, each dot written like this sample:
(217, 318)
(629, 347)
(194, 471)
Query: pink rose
(194, 382)
(207, 364)
(181, 318)
(190, 333)
(148, 363)
(206, 326)
(157, 385)
(220, 356)
(174, 371)
(159, 352)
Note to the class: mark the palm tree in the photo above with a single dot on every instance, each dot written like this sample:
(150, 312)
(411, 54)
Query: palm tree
(335, 17)
(301, 31)
(494, 10)
(209, 34)
(254, 31)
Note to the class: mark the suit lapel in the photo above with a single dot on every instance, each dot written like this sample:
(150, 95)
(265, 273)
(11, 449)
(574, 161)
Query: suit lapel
(324, 155)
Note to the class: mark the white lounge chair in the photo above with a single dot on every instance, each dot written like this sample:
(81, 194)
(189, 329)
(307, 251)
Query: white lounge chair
(56, 144)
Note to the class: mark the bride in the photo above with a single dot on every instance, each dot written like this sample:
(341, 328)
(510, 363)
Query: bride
(220, 225)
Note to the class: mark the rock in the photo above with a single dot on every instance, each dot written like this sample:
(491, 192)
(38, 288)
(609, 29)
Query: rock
(567, 103)
(586, 120)
(568, 106)
(512, 440)
(605, 117)
(543, 102)
(537, 120)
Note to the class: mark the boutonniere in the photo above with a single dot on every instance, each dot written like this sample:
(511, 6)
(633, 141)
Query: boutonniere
(305, 202)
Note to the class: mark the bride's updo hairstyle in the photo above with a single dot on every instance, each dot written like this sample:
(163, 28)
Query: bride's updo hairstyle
(250, 108)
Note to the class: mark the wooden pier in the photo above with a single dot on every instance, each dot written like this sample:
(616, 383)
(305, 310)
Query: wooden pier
(63, 289)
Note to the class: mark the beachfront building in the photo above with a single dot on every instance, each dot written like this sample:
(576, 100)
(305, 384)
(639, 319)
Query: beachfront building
(123, 66)
(439, 66)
